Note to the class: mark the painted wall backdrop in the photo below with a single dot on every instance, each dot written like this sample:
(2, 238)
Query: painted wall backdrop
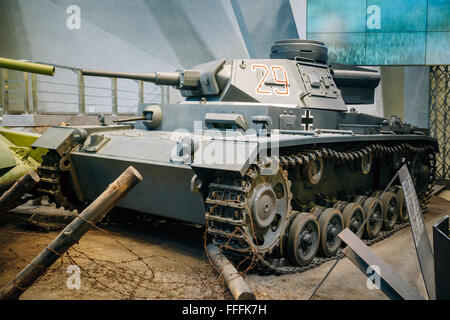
(382, 32)
(136, 36)
(140, 35)
(164, 35)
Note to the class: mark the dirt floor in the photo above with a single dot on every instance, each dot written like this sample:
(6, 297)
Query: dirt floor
(167, 261)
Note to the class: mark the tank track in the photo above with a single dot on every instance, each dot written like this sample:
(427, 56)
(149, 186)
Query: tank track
(230, 195)
(50, 184)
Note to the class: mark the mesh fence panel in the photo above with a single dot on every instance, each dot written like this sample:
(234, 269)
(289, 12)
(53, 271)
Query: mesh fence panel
(439, 117)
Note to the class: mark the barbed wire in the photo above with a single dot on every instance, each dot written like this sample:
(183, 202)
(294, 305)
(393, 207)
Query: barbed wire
(122, 278)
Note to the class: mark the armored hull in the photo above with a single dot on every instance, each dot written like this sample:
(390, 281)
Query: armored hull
(264, 153)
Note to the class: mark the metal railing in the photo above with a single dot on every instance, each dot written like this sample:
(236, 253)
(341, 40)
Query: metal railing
(70, 92)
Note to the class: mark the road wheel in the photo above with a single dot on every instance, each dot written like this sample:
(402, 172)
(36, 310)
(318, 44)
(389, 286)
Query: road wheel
(389, 202)
(303, 239)
(331, 224)
(372, 206)
(353, 215)
(402, 212)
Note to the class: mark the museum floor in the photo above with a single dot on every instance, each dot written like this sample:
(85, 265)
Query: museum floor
(173, 264)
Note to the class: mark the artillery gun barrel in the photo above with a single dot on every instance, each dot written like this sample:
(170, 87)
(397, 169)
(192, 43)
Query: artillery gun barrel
(24, 66)
(159, 78)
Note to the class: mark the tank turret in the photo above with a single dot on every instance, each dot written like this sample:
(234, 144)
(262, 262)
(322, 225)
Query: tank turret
(296, 73)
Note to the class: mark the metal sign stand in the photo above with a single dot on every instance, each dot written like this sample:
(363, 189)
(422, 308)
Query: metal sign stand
(420, 236)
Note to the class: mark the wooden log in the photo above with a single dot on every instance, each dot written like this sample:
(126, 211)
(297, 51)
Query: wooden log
(9, 199)
(238, 287)
(71, 234)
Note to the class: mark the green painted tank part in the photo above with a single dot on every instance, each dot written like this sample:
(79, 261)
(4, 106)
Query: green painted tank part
(24, 139)
(7, 158)
(27, 66)
(16, 158)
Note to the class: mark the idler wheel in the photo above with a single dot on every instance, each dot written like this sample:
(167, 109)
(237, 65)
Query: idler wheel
(353, 215)
(331, 224)
(264, 206)
(313, 171)
(389, 202)
(303, 239)
(402, 212)
(372, 206)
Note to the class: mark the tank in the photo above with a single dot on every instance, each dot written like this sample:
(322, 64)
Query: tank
(267, 154)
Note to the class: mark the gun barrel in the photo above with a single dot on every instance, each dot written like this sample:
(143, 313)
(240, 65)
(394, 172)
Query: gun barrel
(27, 66)
(159, 78)
(130, 119)
(355, 76)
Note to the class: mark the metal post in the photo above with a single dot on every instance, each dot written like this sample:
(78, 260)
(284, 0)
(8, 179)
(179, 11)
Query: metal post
(168, 94)
(163, 100)
(26, 96)
(2, 91)
(34, 93)
(81, 96)
(115, 103)
(4, 85)
(141, 92)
